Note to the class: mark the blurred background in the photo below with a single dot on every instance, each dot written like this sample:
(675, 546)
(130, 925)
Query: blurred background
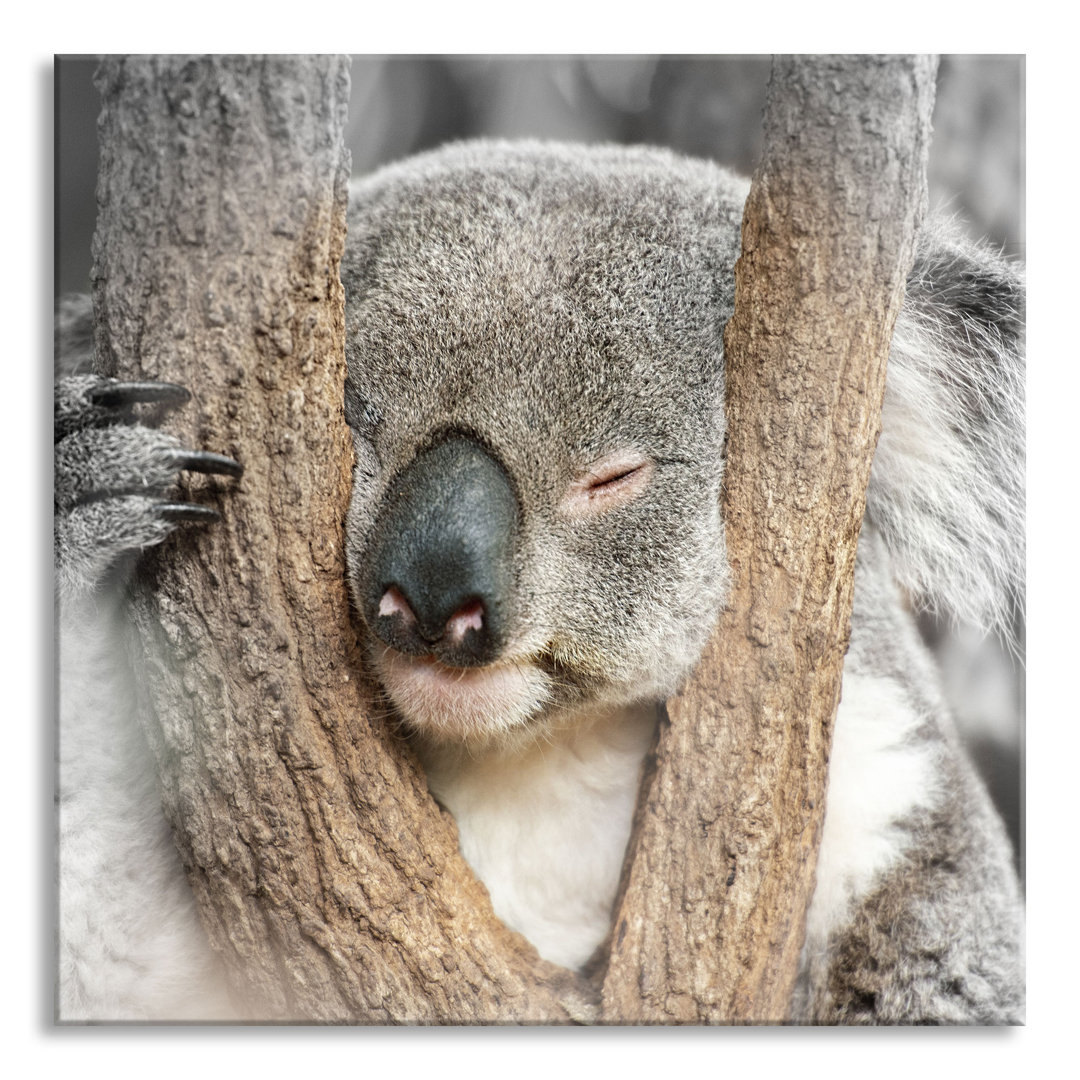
(702, 106)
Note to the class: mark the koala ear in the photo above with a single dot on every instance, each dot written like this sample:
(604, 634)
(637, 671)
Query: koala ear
(947, 490)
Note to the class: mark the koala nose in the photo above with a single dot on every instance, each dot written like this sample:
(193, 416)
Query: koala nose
(441, 558)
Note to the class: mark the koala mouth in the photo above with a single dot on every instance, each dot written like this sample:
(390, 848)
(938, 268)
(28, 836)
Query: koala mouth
(462, 704)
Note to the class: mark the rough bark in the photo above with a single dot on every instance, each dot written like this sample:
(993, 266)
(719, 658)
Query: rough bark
(721, 867)
(325, 874)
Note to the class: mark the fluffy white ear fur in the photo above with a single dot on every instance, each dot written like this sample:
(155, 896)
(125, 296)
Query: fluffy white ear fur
(947, 489)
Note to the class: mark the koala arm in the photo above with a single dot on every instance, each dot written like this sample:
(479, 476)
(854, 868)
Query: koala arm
(130, 944)
(917, 916)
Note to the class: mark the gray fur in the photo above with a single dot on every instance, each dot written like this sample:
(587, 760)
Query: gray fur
(555, 303)
(130, 945)
(73, 327)
(110, 477)
(480, 293)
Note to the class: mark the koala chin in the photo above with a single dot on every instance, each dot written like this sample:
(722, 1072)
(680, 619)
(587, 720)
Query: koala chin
(471, 706)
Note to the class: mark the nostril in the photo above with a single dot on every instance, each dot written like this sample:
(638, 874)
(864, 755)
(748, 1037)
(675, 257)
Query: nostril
(404, 626)
(398, 624)
(393, 602)
(470, 616)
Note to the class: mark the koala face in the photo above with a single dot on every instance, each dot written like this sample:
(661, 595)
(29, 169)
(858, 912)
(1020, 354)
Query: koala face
(535, 388)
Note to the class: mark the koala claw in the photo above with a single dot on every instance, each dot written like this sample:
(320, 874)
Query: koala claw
(119, 394)
(202, 461)
(93, 401)
(195, 513)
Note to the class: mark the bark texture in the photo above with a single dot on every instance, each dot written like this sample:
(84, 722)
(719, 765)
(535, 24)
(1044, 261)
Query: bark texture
(325, 873)
(721, 867)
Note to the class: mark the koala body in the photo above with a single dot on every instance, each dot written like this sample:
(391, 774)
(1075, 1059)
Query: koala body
(534, 341)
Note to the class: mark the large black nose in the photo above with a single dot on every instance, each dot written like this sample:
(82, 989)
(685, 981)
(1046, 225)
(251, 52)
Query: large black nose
(440, 563)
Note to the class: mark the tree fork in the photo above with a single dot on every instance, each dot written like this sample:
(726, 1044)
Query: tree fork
(720, 869)
(327, 878)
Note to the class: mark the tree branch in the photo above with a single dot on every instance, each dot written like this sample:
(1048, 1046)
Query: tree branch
(721, 866)
(326, 876)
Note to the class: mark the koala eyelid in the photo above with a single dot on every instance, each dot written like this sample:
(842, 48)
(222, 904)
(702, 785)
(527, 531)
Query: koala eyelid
(612, 481)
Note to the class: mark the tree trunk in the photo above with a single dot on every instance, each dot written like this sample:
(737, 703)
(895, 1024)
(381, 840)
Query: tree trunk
(325, 873)
(720, 870)
(327, 877)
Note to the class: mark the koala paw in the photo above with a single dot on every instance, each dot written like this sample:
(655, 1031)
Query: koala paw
(112, 475)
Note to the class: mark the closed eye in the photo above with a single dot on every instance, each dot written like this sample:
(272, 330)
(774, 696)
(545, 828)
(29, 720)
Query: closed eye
(619, 476)
(612, 481)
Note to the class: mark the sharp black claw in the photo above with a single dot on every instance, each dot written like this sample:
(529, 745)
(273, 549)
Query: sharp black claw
(134, 393)
(193, 512)
(204, 462)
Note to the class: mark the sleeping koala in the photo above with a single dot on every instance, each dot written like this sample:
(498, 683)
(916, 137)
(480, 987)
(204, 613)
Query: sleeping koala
(535, 547)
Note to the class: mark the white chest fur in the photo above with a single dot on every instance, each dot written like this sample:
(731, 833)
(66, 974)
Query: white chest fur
(545, 828)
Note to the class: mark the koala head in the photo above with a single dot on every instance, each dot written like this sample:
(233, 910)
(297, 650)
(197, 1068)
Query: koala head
(535, 389)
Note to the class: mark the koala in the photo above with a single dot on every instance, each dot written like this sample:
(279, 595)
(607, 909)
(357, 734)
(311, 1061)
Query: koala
(536, 552)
